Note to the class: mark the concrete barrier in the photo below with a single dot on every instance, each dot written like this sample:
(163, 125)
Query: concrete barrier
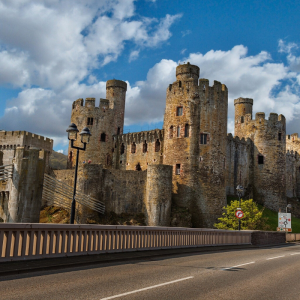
(292, 237)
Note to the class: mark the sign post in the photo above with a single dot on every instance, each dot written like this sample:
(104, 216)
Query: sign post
(284, 222)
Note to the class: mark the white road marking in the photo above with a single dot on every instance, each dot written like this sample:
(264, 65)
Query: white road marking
(147, 288)
(295, 253)
(275, 257)
(249, 263)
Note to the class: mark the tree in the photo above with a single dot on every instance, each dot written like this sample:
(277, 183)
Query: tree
(252, 220)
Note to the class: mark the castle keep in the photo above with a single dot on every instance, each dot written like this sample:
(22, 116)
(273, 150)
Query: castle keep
(192, 163)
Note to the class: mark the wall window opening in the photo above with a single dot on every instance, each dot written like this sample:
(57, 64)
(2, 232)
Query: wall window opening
(178, 131)
(279, 136)
(179, 84)
(171, 132)
(260, 159)
(242, 119)
(122, 150)
(186, 130)
(103, 137)
(145, 146)
(177, 169)
(118, 131)
(108, 160)
(138, 167)
(179, 111)
(90, 121)
(157, 145)
(133, 147)
(203, 138)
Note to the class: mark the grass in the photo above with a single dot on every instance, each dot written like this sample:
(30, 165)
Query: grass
(272, 217)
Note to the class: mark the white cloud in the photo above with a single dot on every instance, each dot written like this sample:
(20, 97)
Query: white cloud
(134, 55)
(60, 151)
(183, 51)
(185, 32)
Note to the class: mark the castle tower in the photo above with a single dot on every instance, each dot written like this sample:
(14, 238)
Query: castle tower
(242, 112)
(269, 139)
(195, 129)
(103, 121)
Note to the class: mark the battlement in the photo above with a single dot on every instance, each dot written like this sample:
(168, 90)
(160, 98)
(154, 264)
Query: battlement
(116, 83)
(292, 154)
(90, 102)
(273, 118)
(238, 140)
(187, 71)
(217, 87)
(14, 139)
(140, 137)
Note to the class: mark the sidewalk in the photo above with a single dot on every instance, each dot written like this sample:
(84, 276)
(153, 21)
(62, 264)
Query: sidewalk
(21, 267)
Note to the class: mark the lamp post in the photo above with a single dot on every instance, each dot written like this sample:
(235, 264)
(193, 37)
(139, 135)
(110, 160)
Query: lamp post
(85, 138)
(240, 191)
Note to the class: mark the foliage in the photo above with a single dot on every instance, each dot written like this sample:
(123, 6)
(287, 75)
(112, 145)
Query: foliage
(58, 161)
(253, 217)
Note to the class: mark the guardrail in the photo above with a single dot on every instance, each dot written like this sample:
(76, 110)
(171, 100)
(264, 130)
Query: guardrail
(292, 237)
(34, 241)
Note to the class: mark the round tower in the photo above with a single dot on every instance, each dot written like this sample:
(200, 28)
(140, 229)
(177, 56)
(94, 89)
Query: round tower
(187, 71)
(116, 93)
(242, 107)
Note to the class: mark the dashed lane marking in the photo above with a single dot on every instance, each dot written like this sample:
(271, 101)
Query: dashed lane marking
(275, 257)
(147, 288)
(295, 253)
(249, 263)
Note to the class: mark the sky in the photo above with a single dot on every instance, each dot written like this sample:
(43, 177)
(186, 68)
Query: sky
(53, 52)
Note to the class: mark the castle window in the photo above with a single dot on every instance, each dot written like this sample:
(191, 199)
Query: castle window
(177, 169)
(90, 121)
(242, 119)
(103, 137)
(108, 160)
(138, 167)
(179, 84)
(145, 146)
(178, 131)
(171, 132)
(122, 150)
(157, 145)
(179, 111)
(133, 147)
(260, 159)
(203, 138)
(289, 137)
(279, 136)
(118, 131)
(186, 130)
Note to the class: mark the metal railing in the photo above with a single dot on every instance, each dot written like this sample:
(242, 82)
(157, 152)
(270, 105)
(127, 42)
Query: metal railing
(34, 241)
(6, 172)
(56, 192)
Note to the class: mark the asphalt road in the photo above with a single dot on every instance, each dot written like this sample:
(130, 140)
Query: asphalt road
(266, 273)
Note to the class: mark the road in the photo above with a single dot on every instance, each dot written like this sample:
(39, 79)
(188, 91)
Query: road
(265, 273)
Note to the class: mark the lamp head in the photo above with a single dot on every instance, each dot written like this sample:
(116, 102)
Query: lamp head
(72, 132)
(85, 135)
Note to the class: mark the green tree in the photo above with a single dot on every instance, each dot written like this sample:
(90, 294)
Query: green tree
(252, 220)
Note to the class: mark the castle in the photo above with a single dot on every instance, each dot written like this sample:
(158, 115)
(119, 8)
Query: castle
(192, 162)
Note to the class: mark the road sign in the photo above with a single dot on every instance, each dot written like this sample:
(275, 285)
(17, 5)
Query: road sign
(284, 229)
(239, 214)
(284, 221)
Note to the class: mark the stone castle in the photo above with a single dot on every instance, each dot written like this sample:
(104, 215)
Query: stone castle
(192, 162)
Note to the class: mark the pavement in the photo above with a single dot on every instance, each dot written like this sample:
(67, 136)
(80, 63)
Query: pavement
(246, 273)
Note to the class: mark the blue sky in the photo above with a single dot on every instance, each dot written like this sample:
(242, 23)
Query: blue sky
(53, 52)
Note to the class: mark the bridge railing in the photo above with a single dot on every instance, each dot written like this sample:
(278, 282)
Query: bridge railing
(34, 241)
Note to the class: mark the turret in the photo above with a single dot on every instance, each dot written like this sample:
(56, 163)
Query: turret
(187, 71)
(243, 110)
(116, 93)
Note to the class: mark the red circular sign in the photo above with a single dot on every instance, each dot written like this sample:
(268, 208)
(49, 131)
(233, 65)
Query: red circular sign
(239, 214)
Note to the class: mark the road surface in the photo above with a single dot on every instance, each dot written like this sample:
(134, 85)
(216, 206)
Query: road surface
(266, 273)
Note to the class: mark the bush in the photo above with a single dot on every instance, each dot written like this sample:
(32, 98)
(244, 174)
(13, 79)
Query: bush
(252, 220)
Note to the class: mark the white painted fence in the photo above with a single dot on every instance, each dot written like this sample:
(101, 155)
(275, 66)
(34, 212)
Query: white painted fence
(34, 241)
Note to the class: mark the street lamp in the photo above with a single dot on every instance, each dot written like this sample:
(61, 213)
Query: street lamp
(289, 206)
(85, 138)
(240, 191)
